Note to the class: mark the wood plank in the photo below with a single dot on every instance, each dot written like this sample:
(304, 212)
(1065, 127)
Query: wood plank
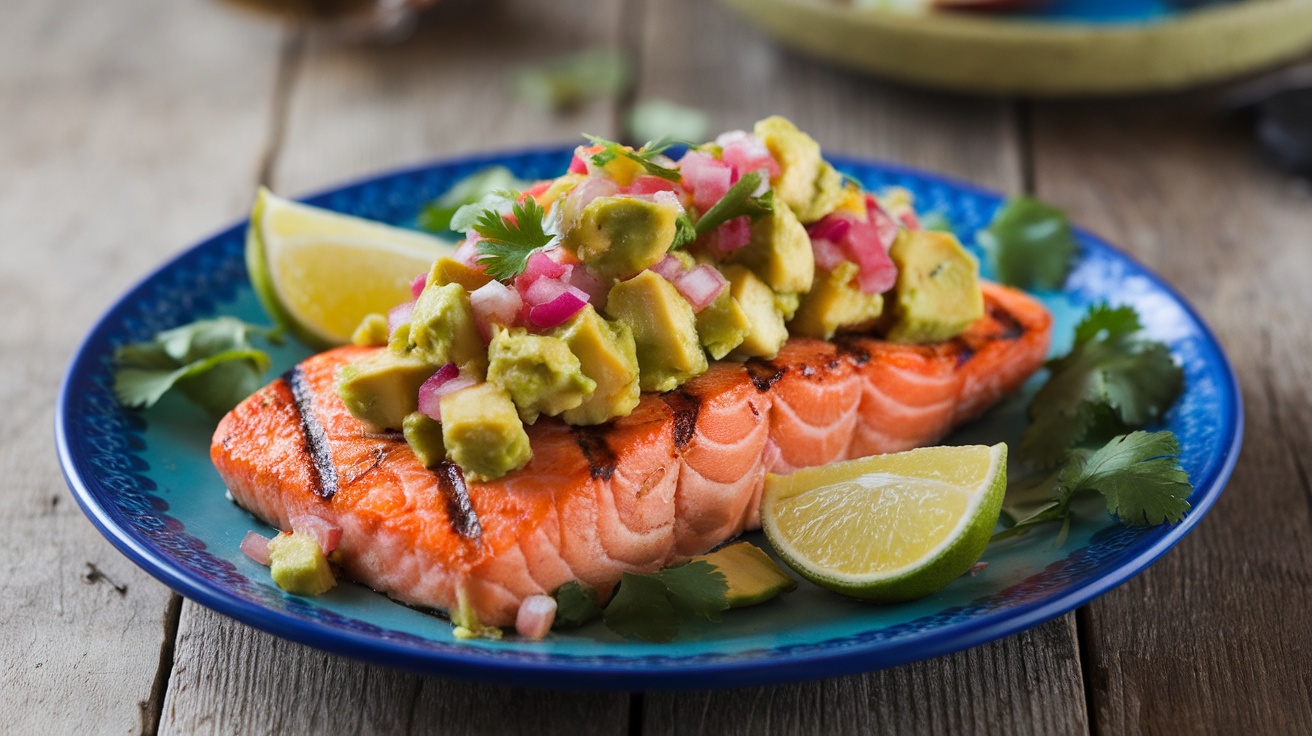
(355, 110)
(1214, 637)
(698, 54)
(111, 163)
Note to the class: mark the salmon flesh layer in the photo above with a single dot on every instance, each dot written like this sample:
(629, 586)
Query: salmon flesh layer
(679, 475)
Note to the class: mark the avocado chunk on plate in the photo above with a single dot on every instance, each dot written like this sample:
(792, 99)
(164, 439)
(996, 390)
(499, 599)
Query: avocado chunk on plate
(664, 330)
(539, 372)
(937, 294)
(768, 333)
(482, 432)
(835, 303)
(620, 236)
(608, 356)
(298, 565)
(779, 252)
(752, 576)
(442, 329)
(807, 183)
(383, 387)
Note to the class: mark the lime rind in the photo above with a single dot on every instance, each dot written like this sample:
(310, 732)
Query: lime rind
(931, 571)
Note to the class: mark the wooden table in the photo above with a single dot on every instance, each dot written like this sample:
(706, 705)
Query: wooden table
(130, 129)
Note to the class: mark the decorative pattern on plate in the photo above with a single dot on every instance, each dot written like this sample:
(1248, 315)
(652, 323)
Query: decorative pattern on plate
(141, 485)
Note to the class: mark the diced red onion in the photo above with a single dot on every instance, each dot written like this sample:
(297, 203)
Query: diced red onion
(648, 184)
(745, 152)
(909, 219)
(326, 533)
(596, 289)
(536, 190)
(417, 286)
(540, 265)
(827, 254)
(732, 235)
(579, 164)
(556, 311)
(877, 272)
(256, 547)
(701, 286)
(467, 251)
(831, 228)
(583, 194)
(535, 616)
(706, 177)
(669, 267)
(494, 303)
(399, 315)
(445, 381)
(542, 291)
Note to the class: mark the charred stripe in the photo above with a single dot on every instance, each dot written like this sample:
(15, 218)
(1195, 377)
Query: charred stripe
(686, 407)
(592, 441)
(459, 508)
(323, 472)
(763, 373)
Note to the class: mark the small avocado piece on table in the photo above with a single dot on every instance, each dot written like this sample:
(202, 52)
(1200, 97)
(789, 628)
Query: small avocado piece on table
(298, 565)
(664, 330)
(424, 435)
(806, 183)
(383, 387)
(620, 236)
(539, 372)
(836, 303)
(768, 333)
(779, 252)
(482, 432)
(750, 573)
(722, 325)
(608, 356)
(937, 294)
(442, 330)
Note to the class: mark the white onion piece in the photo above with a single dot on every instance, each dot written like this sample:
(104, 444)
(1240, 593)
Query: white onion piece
(494, 303)
(535, 616)
(669, 267)
(326, 533)
(701, 286)
(256, 547)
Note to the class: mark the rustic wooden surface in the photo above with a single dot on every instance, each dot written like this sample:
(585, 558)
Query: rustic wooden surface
(130, 129)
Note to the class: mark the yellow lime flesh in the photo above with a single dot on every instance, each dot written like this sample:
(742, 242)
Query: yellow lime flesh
(890, 527)
(319, 273)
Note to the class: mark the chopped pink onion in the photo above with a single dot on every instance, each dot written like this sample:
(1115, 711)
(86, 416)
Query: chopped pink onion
(417, 286)
(446, 380)
(535, 616)
(909, 219)
(706, 177)
(732, 235)
(828, 254)
(701, 286)
(326, 533)
(494, 303)
(541, 265)
(596, 289)
(864, 244)
(543, 291)
(467, 251)
(399, 315)
(669, 267)
(536, 190)
(582, 195)
(648, 184)
(579, 164)
(831, 228)
(256, 547)
(559, 309)
(745, 152)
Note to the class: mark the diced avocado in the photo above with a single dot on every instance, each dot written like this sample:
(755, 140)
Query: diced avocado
(768, 332)
(835, 303)
(620, 236)
(560, 186)
(779, 252)
(442, 329)
(937, 294)
(807, 183)
(482, 432)
(752, 576)
(664, 330)
(424, 435)
(608, 355)
(722, 326)
(450, 271)
(371, 332)
(399, 341)
(383, 387)
(298, 565)
(539, 372)
(787, 303)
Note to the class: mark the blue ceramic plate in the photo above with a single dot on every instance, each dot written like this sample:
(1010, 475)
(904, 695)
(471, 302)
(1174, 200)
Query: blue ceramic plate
(144, 478)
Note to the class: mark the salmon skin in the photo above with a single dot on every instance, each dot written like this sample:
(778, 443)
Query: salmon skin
(676, 477)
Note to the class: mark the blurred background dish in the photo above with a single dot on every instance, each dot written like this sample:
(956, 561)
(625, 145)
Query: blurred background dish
(1059, 47)
(385, 20)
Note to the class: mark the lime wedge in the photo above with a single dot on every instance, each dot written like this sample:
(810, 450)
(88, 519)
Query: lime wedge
(889, 527)
(319, 273)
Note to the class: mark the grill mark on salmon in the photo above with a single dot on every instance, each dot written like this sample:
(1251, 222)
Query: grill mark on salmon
(592, 441)
(626, 496)
(764, 373)
(451, 479)
(324, 473)
(685, 407)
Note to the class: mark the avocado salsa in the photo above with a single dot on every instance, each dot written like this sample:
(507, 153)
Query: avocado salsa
(630, 272)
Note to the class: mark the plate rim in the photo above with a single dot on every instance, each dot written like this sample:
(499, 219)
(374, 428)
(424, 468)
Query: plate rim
(547, 670)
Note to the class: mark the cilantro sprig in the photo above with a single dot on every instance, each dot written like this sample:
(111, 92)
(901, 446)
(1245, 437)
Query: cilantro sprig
(1030, 243)
(650, 607)
(212, 361)
(437, 217)
(738, 202)
(506, 244)
(644, 157)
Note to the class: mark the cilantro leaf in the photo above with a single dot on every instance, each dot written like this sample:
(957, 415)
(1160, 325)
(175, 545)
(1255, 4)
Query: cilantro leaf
(644, 157)
(437, 215)
(1113, 380)
(212, 361)
(506, 246)
(651, 607)
(1139, 476)
(685, 232)
(576, 604)
(1030, 243)
(738, 202)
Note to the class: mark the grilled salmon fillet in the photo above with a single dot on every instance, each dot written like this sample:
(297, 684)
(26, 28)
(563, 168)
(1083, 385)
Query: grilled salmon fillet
(679, 475)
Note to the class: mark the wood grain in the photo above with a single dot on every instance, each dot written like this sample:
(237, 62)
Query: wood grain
(1216, 636)
(353, 110)
(113, 159)
(741, 77)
